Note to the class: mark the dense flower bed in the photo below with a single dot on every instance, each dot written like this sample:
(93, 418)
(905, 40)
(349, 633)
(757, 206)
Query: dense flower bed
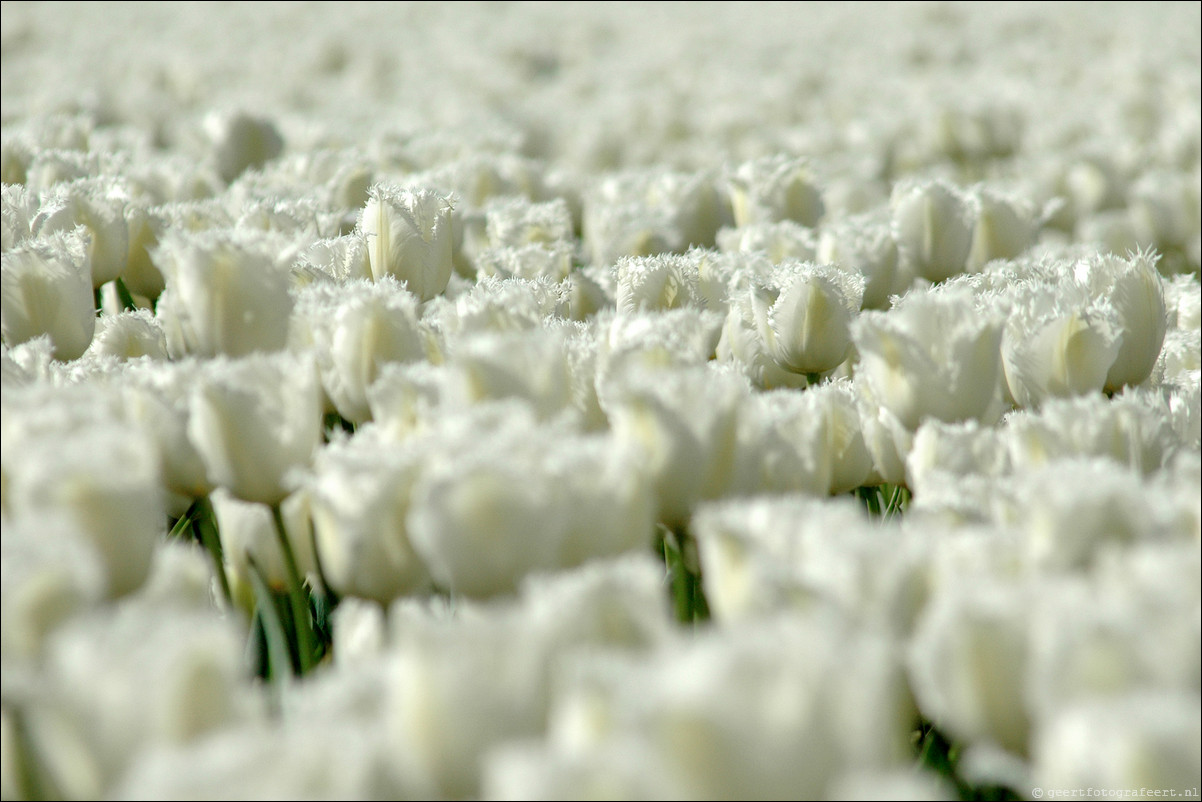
(623, 401)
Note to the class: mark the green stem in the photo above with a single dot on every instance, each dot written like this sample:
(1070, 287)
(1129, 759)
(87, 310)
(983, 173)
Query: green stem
(297, 598)
(278, 654)
(206, 531)
(127, 298)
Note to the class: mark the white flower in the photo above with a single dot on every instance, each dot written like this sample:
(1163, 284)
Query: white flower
(937, 355)
(514, 222)
(742, 346)
(1058, 344)
(531, 365)
(1135, 290)
(648, 283)
(775, 188)
(114, 496)
(18, 208)
(1147, 739)
(1005, 226)
(483, 521)
(682, 423)
(98, 206)
(225, 294)
(459, 688)
(248, 531)
(804, 314)
(933, 226)
(968, 664)
(255, 419)
(47, 289)
(360, 495)
(944, 453)
(131, 679)
(129, 335)
(51, 572)
(531, 261)
(240, 142)
(780, 240)
(865, 245)
(409, 237)
(342, 258)
(781, 446)
(354, 329)
(1132, 429)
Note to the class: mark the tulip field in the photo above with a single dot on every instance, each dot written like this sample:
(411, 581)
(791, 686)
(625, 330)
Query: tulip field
(601, 400)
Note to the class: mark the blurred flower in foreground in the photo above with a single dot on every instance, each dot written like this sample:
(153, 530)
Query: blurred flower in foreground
(255, 419)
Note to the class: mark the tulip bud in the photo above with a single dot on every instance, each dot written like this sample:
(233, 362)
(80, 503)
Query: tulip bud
(1055, 348)
(775, 188)
(864, 245)
(1136, 292)
(255, 419)
(241, 142)
(936, 355)
(100, 210)
(409, 237)
(47, 290)
(225, 294)
(933, 226)
(360, 495)
(356, 328)
(1004, 227)
(804, 315)
(648, 283)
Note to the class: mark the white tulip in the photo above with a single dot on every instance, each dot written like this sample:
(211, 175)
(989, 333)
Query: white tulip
(1055, 348)
(682, 422)
(933, 226)
(742, 346)
(968, 664)
(254, 420)
(47, 290)
(356, 328)
(1005, 227)
(51, 572)
(225, 294)
(937, 355)
(649, 283)
(1147, 739)
(1132, 429)
(360, 496)
(481, 523)
(241, 142)
(98, 207)
(409, 237)
(864, 245)
(530, 365)
(1135, 290)
(804, 314)
(775, 188)
(131, 679)
(129, 335)
(114, 496)
(779, 241)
